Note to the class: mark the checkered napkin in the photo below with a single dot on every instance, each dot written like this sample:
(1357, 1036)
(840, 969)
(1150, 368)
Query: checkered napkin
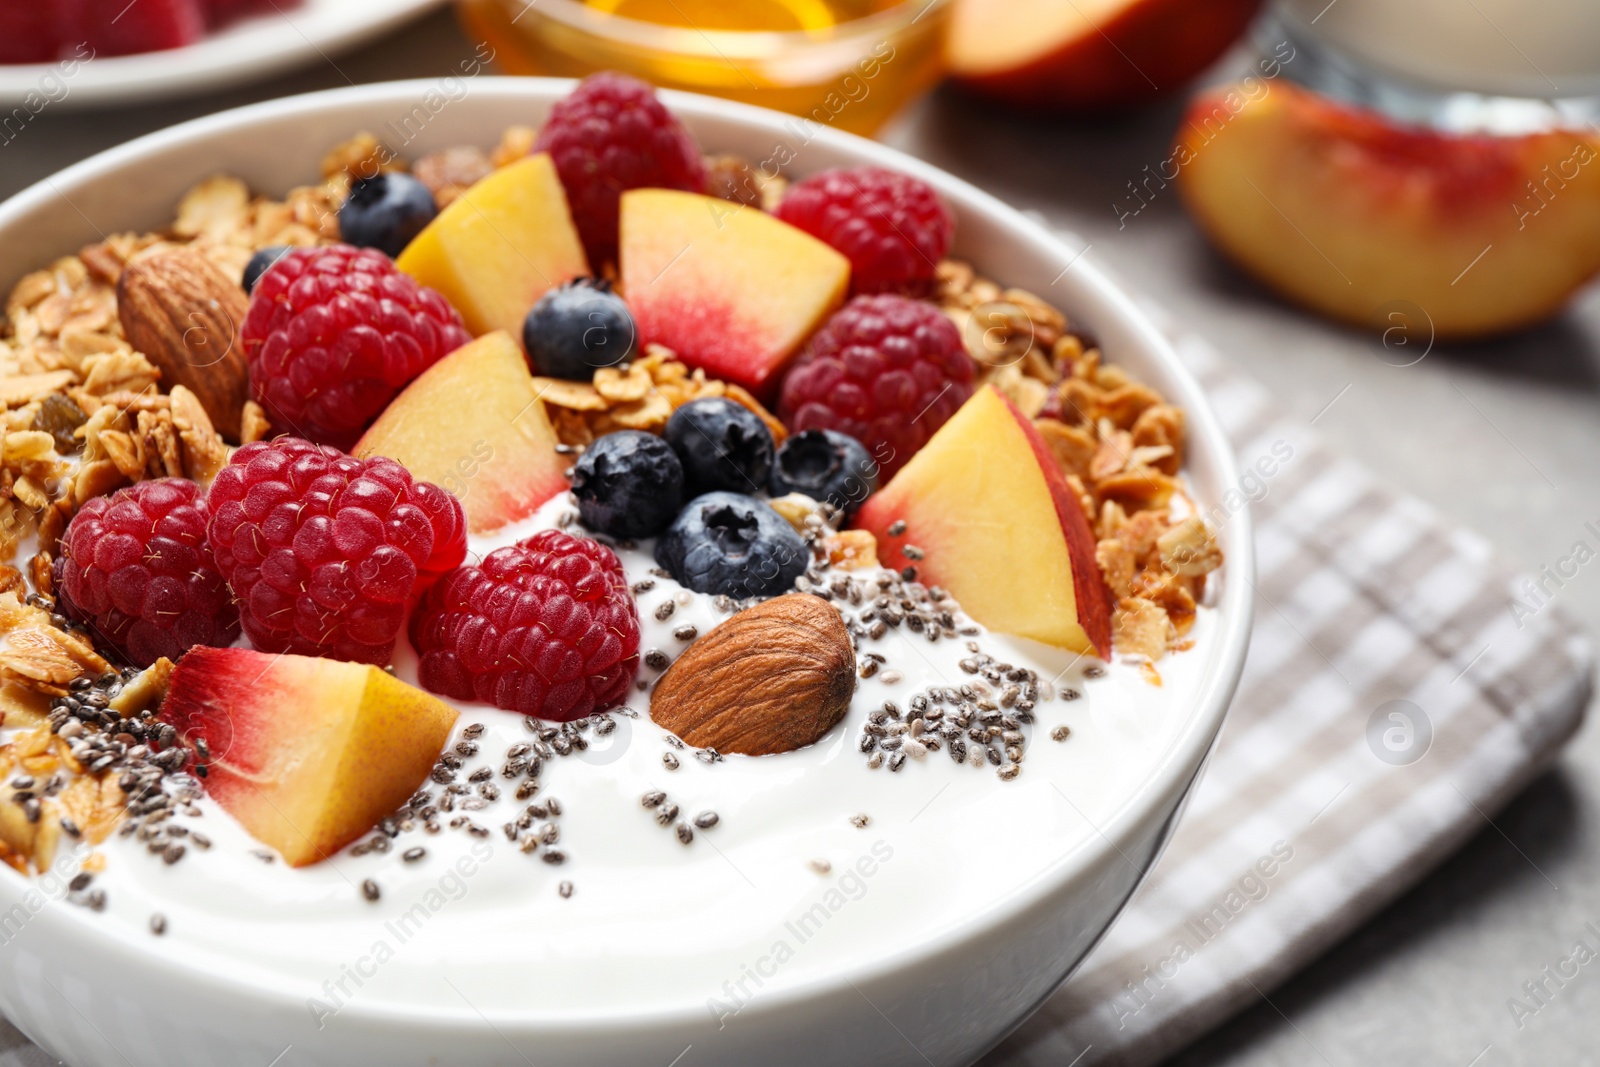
(1391, 704)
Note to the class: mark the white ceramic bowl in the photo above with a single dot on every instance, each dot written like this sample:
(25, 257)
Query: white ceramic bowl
(100, 999)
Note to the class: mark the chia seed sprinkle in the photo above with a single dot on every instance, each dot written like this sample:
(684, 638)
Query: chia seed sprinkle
(706, 820)
(565, 889)
(412, 855)
(1061, 733)
(554, 856)
(665, 609)
(669, 761)
(158, 924)
(860, 822)
(685, 835)
(897, 527)
(821, 866)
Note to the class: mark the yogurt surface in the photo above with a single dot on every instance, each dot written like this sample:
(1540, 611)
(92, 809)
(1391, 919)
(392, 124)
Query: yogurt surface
(815, 862)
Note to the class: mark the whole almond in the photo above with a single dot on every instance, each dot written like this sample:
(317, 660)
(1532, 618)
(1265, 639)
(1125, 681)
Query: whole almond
(772, 678)
(184, 315)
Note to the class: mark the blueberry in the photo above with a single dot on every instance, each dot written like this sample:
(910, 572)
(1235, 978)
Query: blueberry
(578, 328)
(825, 465)
(385, 212)
(628, 484)
(262, 262)
(725, 543)
(723, 445)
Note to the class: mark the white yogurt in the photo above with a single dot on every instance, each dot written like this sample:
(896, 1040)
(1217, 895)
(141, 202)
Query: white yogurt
(783, 889)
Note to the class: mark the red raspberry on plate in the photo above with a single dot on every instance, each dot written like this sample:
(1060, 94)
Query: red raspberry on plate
(334, 333)
(893, 228)
(119, 28)
(324, 551)
(27, 35)
(135, 568)
(607, 136)
(546, 627)
(887, 370)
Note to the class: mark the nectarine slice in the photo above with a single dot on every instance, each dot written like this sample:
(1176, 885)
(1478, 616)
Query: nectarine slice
(496, 249)
(473, 423)
(728, 288)
(1088, 55)
(998, 526)
(1341, 211)
(308, 754)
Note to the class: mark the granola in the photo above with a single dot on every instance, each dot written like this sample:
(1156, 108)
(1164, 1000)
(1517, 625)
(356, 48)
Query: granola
(1119, 443)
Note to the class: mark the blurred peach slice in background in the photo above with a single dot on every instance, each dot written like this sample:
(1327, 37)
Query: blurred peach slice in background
(1348, 214)
(1088, 55)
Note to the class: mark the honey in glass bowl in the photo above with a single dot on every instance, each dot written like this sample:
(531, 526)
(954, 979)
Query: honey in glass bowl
(849, 64)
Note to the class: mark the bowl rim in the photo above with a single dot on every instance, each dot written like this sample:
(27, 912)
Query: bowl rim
(1172, 776)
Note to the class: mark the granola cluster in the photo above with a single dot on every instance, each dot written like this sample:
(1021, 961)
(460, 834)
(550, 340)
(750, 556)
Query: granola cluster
(639, 396)
(1119, 443)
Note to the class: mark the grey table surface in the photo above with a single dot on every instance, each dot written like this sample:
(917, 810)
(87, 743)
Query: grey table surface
(1503, 436)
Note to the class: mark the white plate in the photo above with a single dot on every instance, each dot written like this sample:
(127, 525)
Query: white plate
(248, 50)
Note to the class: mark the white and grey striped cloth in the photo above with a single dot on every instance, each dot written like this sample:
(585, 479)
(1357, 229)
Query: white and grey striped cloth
(1391, 703)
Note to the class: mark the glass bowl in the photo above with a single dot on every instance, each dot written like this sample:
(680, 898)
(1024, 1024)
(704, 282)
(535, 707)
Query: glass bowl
(848, 64)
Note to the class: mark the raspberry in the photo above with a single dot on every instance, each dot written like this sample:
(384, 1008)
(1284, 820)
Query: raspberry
(892, 227)
(334, 333)
(884, 369)
(325, 552)
(135, 567)
(546, 627)
(607, 136)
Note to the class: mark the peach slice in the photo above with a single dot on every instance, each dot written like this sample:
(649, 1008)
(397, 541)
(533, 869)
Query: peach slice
(998, 526)
(308, 754)
(498, 246)
(728, 288)
(1382, 225)
(1089, 55)
(473, 423)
